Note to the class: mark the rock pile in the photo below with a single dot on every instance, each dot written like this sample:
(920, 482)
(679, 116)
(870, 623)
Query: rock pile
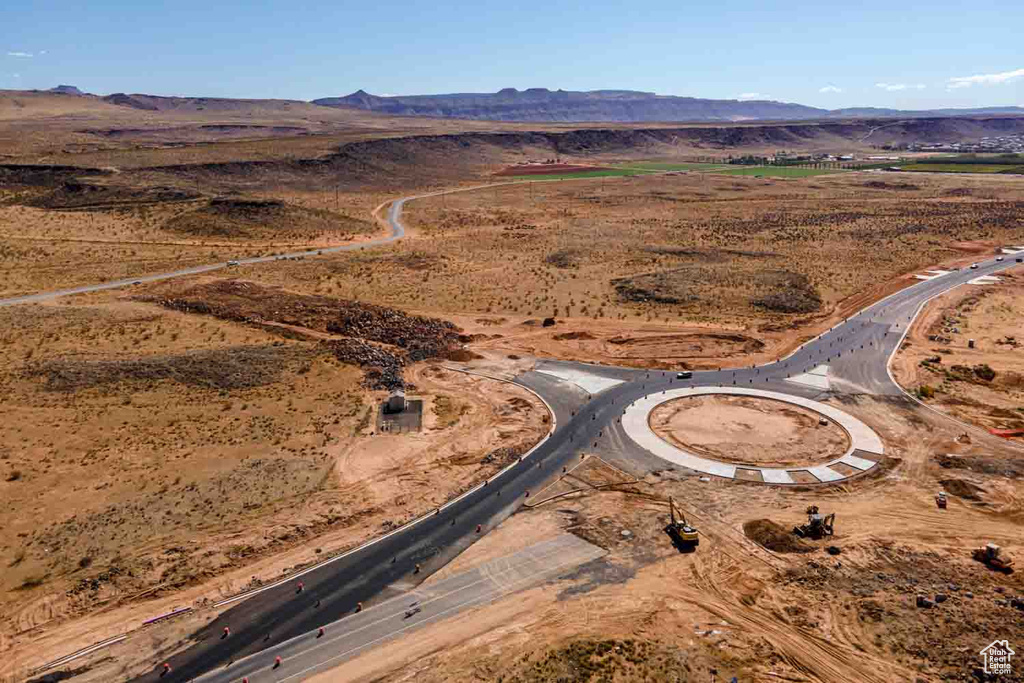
(381, 340)
(382, 367)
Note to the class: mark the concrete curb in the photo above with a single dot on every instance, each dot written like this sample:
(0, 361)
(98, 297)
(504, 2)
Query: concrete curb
(636, 424)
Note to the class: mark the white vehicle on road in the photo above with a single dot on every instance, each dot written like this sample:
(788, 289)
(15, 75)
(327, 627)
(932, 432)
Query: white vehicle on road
(232, 263)
(974, 266)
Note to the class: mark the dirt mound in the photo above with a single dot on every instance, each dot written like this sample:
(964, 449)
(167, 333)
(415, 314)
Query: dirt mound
(573, 335)
(563, 258)
(241, 367)
(26, 175)
(266, 219)
(463, 355)
(1013, 469)
(793, 293)
(883, 185)
(962, 489)
(686, 345)
(774, 537)
(666, 287)
(75, 195)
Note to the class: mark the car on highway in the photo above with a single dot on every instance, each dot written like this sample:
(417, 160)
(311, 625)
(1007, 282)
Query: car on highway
(137, 282)
(974, 266)
(232, 263)
(684, 374)
(999, 258)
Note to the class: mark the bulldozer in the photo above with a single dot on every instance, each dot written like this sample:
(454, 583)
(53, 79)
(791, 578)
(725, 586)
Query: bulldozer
(991, 557)
(679, 530)
(818, 525)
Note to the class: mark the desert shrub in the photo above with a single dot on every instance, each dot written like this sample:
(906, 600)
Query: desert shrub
(984, 372)
(792, 293)
(925, 391)
(563, 258)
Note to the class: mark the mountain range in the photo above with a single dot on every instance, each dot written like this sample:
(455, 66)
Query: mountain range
(541, 104)
(554, 106)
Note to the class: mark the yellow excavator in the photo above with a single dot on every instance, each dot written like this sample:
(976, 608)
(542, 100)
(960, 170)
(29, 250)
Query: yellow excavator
(679, 530)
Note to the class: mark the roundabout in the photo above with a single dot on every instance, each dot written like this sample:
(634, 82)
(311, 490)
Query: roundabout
(747, 462)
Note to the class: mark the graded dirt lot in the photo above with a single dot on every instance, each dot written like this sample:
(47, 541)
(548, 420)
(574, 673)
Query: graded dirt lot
(745, 430)
(647, 612)
(983, 385)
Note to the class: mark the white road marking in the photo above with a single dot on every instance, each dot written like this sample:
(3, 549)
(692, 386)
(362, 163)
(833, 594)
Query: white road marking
(985, 280)
(817, 378)
(776, 476)
(859, 463)
(823, 473)
(589, 382)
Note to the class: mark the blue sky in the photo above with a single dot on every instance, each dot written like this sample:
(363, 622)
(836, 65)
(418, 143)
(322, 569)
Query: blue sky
(827, 54)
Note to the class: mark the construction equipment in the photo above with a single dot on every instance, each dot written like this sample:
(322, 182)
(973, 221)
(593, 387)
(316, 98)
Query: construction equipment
(990, 557)
(818, 525)
(679, 530)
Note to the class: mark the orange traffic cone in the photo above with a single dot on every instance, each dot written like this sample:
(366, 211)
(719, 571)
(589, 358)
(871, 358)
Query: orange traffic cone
(277, 662)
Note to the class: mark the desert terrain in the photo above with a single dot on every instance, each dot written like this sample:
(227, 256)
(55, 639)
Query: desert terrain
(171, 444)
(963, 355)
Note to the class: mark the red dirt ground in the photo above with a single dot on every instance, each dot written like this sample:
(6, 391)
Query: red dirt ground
(547, 169)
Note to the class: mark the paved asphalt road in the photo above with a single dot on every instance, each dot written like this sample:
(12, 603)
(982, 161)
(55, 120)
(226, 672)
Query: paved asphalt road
(435, 601)
(857, 351)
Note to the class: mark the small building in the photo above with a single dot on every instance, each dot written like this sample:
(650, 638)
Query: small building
(396, 402)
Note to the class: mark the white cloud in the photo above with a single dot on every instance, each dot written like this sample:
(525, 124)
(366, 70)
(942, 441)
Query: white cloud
(892, 87)
(19, 54)
(752, 96)
(983, 79)
(830, 88)
(42, 52)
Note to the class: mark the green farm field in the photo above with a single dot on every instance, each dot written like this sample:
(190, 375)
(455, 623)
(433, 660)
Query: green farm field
(780, 171)
(672, 166)
(602, 173)
(965, 168)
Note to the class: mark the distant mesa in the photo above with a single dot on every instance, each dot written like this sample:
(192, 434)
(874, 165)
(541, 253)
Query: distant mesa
(66, 90)
(621, 106)
(123, 100)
